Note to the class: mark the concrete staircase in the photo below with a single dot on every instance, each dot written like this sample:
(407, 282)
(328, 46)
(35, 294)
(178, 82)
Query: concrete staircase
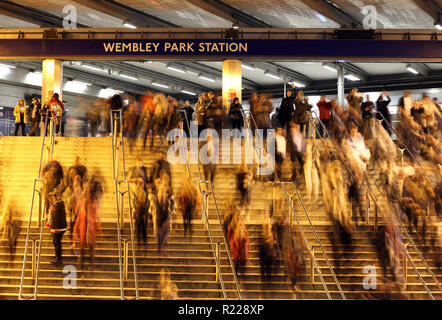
(189, 261)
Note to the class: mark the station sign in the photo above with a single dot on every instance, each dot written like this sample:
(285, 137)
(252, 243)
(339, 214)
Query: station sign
(259, 48)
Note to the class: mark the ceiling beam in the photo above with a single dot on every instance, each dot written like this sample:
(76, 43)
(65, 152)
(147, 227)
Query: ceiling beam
(330, 10)
(431, 7)
(230, 13)
(31, 15)
(126, 13)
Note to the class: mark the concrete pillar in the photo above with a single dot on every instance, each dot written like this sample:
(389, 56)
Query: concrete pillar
(52, 81)
(232, 82)
(341, 87)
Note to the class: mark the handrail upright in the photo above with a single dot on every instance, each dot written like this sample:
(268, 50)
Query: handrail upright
(115, 177)
(130, 212)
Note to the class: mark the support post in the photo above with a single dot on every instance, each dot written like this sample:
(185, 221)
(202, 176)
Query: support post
(341, 85)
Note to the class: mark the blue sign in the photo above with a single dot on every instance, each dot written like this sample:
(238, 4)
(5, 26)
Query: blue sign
(259, 48)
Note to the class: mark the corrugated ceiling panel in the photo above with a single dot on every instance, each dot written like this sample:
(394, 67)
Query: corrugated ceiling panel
(10, 22)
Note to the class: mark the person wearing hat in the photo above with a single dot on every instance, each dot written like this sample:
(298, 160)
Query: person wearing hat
(56, 221)
(34, 116)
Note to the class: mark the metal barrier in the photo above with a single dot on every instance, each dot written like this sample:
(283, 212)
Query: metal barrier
(226, 246)
(368, 191)
(293, 213)
(116, 143)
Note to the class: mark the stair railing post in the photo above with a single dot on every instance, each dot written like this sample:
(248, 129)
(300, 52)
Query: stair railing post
(218, 258)
(33, 250)
(312, 267)
(39, 208)
(367, 201)
(203, 194)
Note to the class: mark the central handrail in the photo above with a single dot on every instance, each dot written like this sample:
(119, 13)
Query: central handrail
(293, 212)
(224, 232)
(206, 215)
(39, 223)
(369, 192)
(115, 148)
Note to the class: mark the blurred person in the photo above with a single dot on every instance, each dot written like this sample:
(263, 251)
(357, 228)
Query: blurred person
(231, 212)
(431, 113)
(280, 153)
(300, 116)
(34, 116)
(190, 201)
(166, 209)
(160, 168)
(140, 208)
(324, 168)
(274, 119)
(52, 173)
(236, 114)
(383, 147)
(310, 170)
(405, 103)
(367, 116)
(93, 118)
(146, 122)
(56, 108)
(131, 123)
(324, 115)
(354, 99)
(238, 239)
(342, 241)
(409, 133)
(286, 109)
(262, 113)
(253, 101)
(21, 118)
(245, 181)
(113, 106)
(77, 169)
(201, 114)
(297, 147)
(382, 108)
(88, 223)
(10, 227)
(75, 201)
(267, 251)
(209, 169)
(139, 173)
(187, 118)
(215, 112)
(168, 289)
(337, 185)
(56, 221)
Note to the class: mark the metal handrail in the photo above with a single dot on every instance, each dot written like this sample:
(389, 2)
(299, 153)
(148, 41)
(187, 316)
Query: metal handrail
(20, 293)
(365, 184)
(130, 212)
(292, 209)
(215, 248)
(117, 204)
(238, 289)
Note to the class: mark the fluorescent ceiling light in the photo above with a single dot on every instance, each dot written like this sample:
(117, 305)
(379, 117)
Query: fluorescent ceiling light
(329, 67)
(351, 77)
(268, 74)
(438, 26)
(188, 92)
(206, 78)
(245, 66)
(412, 69)
(81, 83)
(321, 17)
(297, 84)
(175, 69)
(86, 66)
(128, 77)
(7, 66)
(128, 25)
(160, 85)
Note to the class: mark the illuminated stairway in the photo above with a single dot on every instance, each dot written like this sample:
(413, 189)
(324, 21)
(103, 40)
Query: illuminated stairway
(190, 261)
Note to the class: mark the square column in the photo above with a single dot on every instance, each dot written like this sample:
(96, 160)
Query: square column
(52, 83)
(232, 82)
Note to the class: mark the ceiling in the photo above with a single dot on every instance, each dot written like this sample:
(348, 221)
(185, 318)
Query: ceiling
(390, 14)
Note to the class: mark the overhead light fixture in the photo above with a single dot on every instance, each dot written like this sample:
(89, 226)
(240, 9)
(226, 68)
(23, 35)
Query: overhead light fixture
(94, 68)
(81, 83)
(329, 66)
(235, 25)
(351, 77)
(297, 84)
(271, 75)
(176, 69)
(129, 25)
(438, 23)
(207, 78)
(7, 66)
(160, 85)
(246, 66)
(412, 69)
(188, 92)
(128, 77)
(114, 90)
(438, 26)
(321, 17)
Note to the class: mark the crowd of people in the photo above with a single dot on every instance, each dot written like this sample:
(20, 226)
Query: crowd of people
(409, 173)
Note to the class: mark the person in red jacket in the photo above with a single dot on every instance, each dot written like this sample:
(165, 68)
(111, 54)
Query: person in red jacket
(324, 114)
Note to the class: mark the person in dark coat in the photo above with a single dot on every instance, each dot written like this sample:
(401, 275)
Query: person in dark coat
(286, 109)
(215, 112)
(367, 116)
(57, 223)
(302, 106)
(34, 115)
(235, 114)
(186, 117)
(53, 175)
(382, 108)
(140, 207)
